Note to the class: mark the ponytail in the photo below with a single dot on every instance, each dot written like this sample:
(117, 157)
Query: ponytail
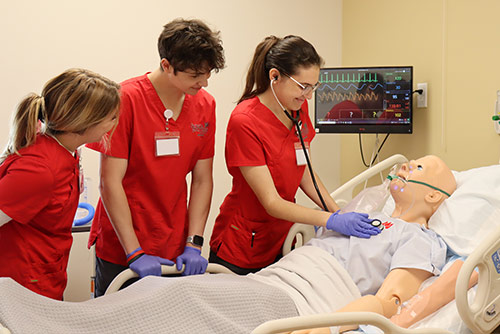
(71, 102)
(286, 54)
(257, 73)
(25, 124)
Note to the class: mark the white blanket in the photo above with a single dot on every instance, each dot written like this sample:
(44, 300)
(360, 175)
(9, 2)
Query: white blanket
(196, 304)
(313, 278)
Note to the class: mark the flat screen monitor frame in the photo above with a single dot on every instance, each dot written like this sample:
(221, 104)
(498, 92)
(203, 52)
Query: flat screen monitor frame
(395, 83)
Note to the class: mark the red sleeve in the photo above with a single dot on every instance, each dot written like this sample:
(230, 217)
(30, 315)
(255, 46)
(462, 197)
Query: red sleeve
(118, 142)
(25, 189)
(209, 148)
(243, 147)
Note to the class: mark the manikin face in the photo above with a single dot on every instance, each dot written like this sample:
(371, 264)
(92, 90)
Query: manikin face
(430, 170)
(290, 93)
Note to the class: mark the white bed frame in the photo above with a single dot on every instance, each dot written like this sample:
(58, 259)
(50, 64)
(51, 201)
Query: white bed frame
(481, 316)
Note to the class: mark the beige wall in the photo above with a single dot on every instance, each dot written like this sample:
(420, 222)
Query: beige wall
(40, 39)
(453, 46)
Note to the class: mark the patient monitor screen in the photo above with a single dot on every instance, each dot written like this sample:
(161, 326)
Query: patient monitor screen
(367, 99)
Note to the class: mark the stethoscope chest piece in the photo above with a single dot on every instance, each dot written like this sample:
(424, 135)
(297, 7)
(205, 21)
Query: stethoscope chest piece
(377, 223)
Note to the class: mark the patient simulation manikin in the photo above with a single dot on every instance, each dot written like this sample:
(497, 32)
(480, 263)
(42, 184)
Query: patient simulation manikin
(418, 188)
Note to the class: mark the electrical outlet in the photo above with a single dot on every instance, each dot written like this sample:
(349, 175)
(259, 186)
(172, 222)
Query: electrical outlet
(422, 98)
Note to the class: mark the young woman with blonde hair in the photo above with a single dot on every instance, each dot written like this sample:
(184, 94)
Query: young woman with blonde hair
(39, 175)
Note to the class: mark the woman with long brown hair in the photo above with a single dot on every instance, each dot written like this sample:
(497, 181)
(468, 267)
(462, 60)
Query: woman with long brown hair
(268, 135)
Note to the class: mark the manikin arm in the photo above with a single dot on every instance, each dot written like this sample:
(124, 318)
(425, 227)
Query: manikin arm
(432, 298)
(399, 286)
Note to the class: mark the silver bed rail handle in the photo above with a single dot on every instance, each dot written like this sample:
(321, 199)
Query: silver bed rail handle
(339, 319)
(127, 274)
(483, 314)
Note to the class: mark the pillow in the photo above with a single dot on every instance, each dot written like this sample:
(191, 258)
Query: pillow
(472, 212)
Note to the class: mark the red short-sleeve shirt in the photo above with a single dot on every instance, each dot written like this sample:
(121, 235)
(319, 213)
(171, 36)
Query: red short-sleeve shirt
(244, 234)
(39, 191)
(155, 186)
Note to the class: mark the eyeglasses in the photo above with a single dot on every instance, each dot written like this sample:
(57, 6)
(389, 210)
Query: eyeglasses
(307, 88)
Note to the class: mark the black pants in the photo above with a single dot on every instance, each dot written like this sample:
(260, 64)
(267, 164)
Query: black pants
(105, 272)
(213, 258)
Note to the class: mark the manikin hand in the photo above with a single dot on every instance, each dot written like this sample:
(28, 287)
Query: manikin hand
(195, 263)
(144, 264)
(352, 223)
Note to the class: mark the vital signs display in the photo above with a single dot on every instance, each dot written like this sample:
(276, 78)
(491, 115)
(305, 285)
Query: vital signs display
(364, 100)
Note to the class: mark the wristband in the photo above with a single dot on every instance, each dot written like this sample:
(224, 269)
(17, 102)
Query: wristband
(134, 255)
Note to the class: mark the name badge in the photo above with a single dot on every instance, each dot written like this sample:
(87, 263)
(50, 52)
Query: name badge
(167, 143)
(299, 153)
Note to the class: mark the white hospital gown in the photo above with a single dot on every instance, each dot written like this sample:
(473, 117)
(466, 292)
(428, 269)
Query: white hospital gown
(399, 245)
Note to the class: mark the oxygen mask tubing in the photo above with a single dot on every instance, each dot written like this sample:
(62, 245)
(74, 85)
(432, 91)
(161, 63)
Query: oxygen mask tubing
(396, 170)
(403, 175)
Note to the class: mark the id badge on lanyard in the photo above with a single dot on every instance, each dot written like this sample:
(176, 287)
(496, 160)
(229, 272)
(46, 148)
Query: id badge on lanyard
(299, 153)
(167, 142)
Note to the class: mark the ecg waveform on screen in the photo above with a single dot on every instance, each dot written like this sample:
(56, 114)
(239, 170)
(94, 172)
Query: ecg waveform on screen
(351, 86)
(353, 96)
(347, 77)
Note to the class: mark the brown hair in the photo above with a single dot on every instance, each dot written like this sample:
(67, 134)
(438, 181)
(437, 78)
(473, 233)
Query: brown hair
(285, 54)
(73, 101)
(190, 44)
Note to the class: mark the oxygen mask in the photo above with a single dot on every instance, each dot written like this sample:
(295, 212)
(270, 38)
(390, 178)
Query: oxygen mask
(403, 173)
(400, 189)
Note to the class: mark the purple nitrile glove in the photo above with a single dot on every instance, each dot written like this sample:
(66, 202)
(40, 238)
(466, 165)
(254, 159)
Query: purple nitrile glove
(195, 263)
(352, 223)
(144, 264)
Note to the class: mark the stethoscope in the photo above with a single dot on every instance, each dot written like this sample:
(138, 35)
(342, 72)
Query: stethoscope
(377, 223)
(296, 121)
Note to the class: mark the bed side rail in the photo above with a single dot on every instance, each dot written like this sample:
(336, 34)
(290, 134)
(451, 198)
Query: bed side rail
(483, 314)
(343, 194)
(118, 281)
(339, 319)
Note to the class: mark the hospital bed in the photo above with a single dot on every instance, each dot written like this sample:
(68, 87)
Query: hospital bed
(480, 315)
(478, 308)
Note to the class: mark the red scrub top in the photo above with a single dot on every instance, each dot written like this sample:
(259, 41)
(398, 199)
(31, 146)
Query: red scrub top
(244, 234)
(39, 191)
(156, 187)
